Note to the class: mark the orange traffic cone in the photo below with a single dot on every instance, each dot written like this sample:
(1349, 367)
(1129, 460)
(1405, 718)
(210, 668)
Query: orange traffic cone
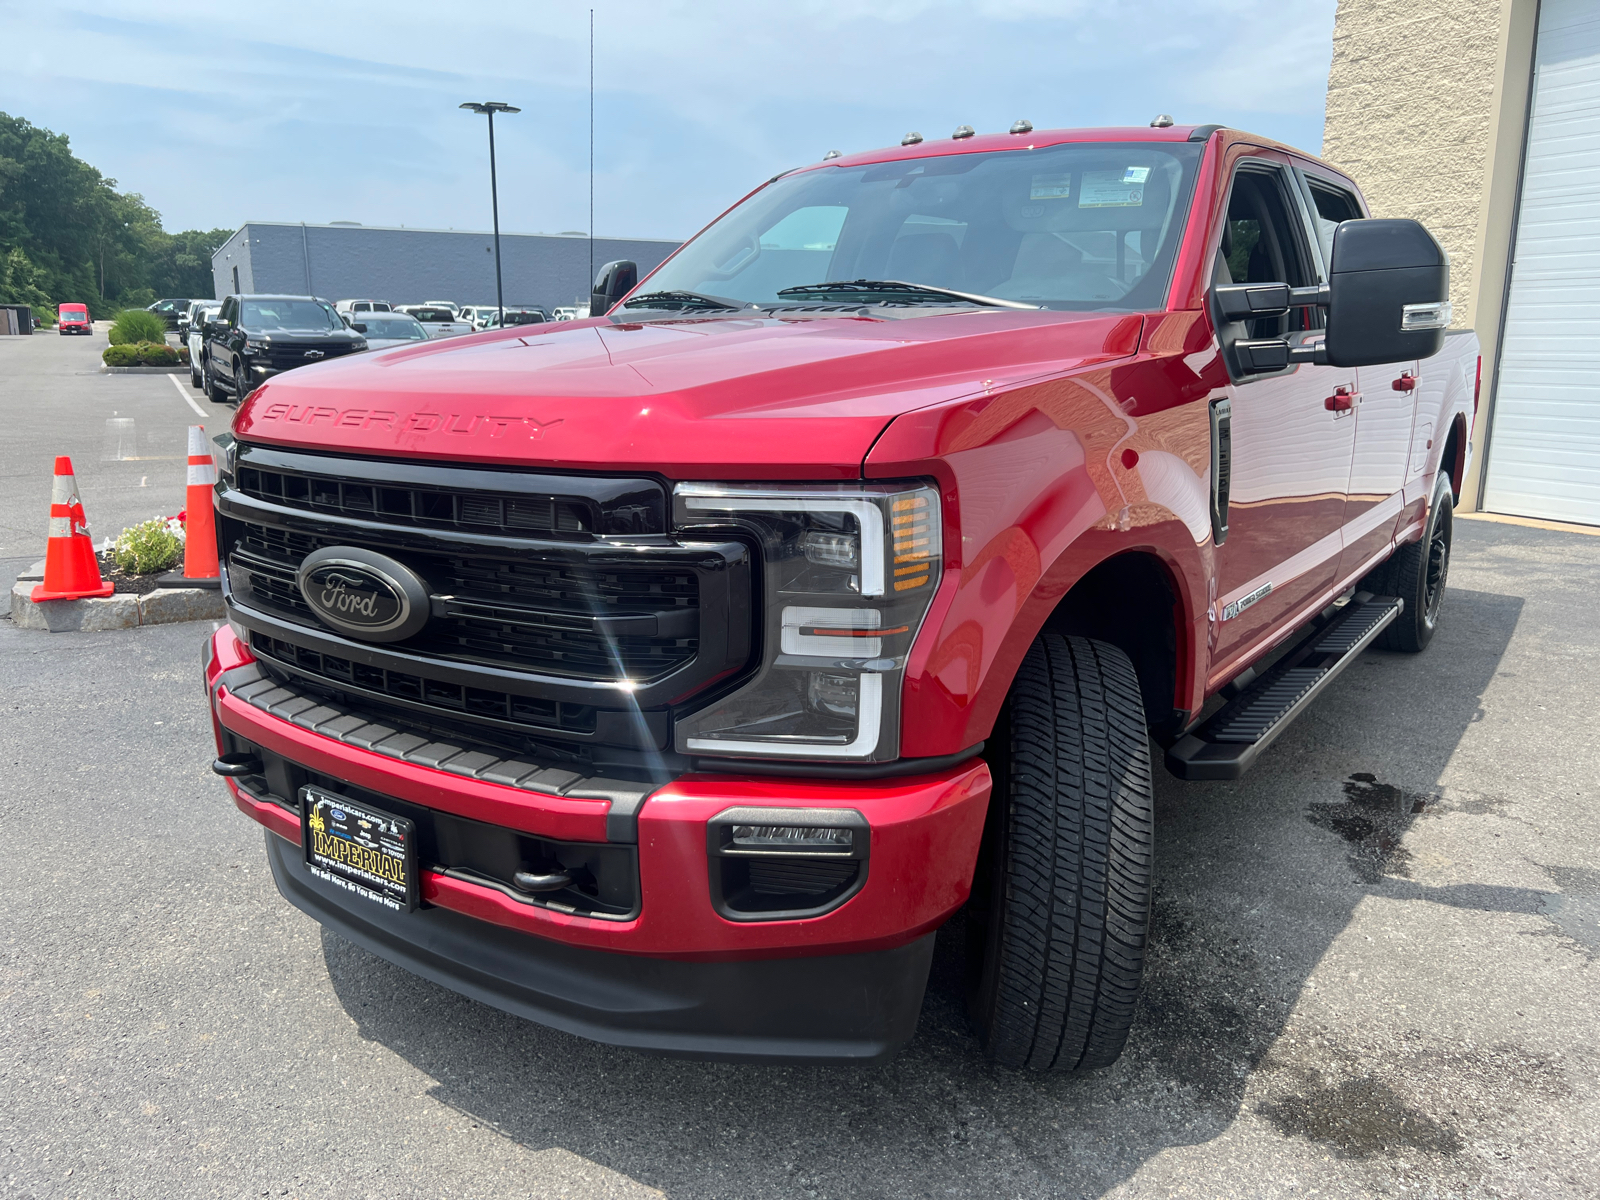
(70, 569)
(200, 524)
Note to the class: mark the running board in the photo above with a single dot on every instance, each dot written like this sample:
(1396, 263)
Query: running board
(1227, 744)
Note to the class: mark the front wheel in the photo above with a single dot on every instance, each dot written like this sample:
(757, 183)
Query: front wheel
(1417, 573)
(1062, 903)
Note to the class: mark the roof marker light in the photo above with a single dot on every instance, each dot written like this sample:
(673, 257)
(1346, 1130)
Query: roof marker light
(911, 139)
(1163, 121)
(963, 131)
(1022, 126)
(831, 154)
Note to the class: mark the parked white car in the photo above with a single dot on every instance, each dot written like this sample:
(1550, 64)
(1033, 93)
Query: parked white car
(385, 329)
(515, 316)
(350, 307)
(570, 313)
(439, 322)
(477, 314)
(199, 314)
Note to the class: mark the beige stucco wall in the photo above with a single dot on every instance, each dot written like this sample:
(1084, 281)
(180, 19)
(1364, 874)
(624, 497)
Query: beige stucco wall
(1427, 101)
(1411, 115)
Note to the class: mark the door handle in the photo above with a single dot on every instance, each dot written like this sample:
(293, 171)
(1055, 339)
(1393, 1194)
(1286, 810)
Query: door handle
(1407, 382)
(1342, 400)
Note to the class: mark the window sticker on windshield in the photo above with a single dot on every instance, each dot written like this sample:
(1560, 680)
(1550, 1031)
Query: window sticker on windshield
(1051, 187)
(1136, 175)
(1112, 189)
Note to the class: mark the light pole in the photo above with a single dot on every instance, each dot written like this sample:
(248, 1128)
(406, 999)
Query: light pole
(488, 108)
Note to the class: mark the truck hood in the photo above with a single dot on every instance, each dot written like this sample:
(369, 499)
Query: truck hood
(764, 397)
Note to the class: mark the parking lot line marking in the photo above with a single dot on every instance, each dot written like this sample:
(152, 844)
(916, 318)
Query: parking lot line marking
(187, 399)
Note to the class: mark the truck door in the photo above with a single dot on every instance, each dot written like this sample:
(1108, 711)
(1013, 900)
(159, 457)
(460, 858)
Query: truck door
(1293, 433)
(1385, 410)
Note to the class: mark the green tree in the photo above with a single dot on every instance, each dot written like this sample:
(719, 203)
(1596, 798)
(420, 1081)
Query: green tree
(67, 234)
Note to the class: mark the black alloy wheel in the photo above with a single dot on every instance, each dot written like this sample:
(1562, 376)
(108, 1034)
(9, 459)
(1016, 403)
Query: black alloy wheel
(1418, 572)
(213, 388)
(1061, 903)
(241, 386)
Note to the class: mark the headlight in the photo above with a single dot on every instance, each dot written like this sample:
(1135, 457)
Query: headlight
(849, 573)
(257, 345)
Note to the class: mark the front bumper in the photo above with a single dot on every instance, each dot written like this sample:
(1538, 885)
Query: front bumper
(675, 977)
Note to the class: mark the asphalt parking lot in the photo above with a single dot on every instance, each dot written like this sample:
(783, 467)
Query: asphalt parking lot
(1374, 968)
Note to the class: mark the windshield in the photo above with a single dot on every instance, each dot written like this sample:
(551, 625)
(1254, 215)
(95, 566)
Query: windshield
(289, 314)
(1082, 226)
(524, 318)
(393, 327)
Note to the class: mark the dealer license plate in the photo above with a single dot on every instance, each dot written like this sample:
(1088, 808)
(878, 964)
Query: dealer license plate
(364, 850)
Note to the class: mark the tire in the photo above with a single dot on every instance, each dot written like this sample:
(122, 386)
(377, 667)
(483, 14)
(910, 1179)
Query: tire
(213, 389)
(1061, 906)
(1417, 572)
(241, 389)
(194, 376)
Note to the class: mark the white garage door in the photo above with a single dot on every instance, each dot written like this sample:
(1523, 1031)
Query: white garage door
(1544, 449)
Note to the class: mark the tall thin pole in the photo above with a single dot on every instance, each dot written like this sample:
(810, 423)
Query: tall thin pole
(494, 204)
(591, 149)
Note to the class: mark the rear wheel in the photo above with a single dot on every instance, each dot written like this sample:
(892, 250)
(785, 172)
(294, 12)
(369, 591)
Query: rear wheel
(194, 375)
(1062, 903)
(1417, 573)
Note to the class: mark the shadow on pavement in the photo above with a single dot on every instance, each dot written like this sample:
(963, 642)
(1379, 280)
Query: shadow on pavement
(1252, 890)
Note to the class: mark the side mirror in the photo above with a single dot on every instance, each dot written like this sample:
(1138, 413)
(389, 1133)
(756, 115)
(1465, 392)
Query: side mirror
(1389, 286)
(615, 280)
(221, 324)
(1387, 298)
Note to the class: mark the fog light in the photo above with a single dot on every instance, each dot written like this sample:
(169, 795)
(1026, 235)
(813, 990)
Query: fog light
(791, 837)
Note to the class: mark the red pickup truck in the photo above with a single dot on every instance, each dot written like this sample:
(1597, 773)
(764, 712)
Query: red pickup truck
(670, 677)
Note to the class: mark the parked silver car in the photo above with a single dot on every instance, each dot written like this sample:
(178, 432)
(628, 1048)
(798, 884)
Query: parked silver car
(439, 322)
(385, 329)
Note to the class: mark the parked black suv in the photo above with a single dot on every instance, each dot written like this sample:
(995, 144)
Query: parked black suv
(171, 311)
(254, 337)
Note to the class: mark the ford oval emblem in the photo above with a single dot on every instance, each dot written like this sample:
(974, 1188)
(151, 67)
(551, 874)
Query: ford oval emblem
(363, 594)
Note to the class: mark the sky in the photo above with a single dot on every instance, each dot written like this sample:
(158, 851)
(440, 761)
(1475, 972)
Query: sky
(346, 110)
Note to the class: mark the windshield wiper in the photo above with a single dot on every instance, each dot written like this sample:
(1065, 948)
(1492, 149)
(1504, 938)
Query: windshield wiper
(910, 293)
(679, 299)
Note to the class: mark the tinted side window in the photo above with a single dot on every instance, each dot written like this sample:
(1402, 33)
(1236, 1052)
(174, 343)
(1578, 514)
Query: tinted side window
(1261, 243)
(1334, 205)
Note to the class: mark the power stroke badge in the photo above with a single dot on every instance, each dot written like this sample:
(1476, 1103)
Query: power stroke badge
(365, 595)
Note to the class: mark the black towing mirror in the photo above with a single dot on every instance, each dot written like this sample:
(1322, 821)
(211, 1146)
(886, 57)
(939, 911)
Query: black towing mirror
(615, 280)
(1387, 298)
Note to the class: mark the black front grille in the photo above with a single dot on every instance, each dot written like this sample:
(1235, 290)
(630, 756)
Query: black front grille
(284, 358)
(550, 617)
(561, 632)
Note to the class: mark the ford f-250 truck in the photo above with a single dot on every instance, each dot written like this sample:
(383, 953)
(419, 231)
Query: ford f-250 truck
(670, 677)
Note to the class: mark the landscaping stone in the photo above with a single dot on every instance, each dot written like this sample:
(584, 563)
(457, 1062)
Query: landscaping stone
(121, 610)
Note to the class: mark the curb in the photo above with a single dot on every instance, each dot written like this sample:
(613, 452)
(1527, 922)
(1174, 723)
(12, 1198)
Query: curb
(164, 606)
(175, 369)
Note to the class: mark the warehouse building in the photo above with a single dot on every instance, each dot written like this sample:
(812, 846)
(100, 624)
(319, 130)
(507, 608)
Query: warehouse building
(409, 266)
(1481, 119)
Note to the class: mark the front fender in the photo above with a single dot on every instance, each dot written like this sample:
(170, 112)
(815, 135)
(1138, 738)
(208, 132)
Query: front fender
(1041, 485)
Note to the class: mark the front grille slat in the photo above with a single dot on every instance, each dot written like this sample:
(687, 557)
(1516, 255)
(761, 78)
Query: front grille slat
(420, 505)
